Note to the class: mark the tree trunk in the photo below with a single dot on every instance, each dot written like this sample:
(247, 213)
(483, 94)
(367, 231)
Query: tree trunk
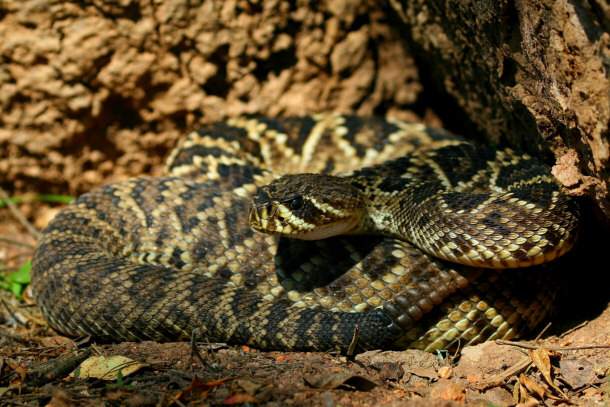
(532, 74)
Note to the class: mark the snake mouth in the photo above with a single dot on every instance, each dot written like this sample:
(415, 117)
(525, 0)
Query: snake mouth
(278, 220)
(274, 220)
(259, 221)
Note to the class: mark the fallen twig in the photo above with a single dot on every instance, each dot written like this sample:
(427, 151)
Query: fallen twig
(11, 313)
(500, 378)
(20, 217)
(542, 332)
(553, 348)
(569, 331)
(57, 368)
(16, 242)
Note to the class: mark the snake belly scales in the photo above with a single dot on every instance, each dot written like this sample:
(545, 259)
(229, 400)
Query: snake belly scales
(161, 258)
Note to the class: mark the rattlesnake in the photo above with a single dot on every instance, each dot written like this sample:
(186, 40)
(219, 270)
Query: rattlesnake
(162, 258)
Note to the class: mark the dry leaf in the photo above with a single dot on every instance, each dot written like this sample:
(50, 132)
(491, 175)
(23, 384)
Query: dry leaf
(521, 396)
(199, 388)
(531, 402)
(603, 369)
(107, 367)
(542, 359)
(334, 380)
(250, 386)
(20, 372)
(532, 386)
(57, 340)
(389, 370)
(117, 394)
(61, 398)
(576, 372)
(239, 399)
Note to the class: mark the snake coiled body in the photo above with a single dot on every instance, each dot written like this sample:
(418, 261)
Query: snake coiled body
(158, 258)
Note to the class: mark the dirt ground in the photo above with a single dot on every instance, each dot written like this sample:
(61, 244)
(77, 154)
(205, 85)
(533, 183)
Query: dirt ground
(35, 363)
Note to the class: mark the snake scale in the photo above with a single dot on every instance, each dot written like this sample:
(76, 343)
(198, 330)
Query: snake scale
(167, 257)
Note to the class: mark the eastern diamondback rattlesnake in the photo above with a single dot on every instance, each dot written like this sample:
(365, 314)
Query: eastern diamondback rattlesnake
(160, 257)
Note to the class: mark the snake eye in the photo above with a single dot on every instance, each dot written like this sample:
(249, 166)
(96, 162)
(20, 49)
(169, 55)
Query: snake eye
(296, 203)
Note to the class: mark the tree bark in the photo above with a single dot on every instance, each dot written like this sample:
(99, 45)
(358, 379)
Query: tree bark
(530, 74)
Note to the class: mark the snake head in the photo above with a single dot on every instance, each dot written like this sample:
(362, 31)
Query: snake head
(306, 206)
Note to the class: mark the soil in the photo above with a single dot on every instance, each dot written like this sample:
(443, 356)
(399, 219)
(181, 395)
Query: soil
(97, 91)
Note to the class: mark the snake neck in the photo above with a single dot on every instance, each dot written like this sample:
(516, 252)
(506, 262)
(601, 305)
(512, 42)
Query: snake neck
(475, 229)
(383, 212)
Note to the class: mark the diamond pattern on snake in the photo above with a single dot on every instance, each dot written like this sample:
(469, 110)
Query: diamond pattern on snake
(324, 232)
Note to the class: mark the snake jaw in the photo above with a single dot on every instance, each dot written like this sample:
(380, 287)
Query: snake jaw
(272, 219)
(277, 219)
